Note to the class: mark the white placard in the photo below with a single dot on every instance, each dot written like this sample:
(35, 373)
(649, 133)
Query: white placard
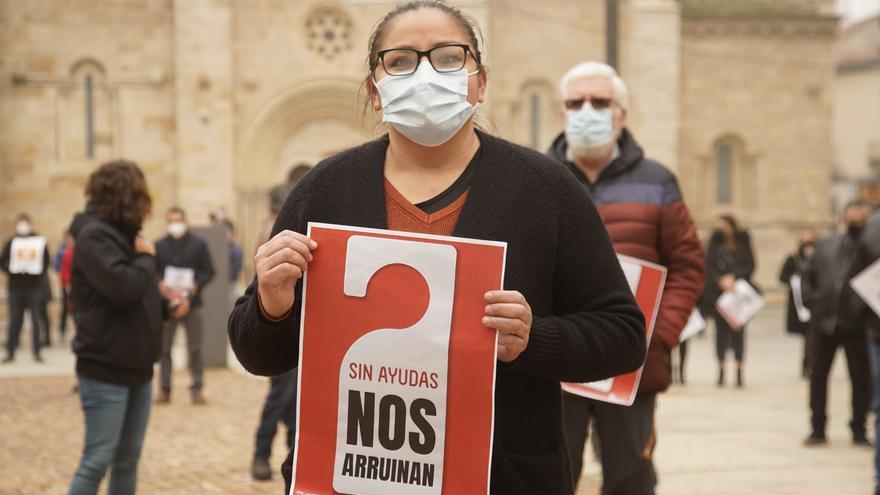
(695, 324)
(803, 314)
(740, 305)
(26, 255)
(867, 286)
(179, 279)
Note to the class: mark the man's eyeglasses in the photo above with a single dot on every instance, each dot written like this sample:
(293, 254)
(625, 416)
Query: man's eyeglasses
(596, 102)
(405, 61)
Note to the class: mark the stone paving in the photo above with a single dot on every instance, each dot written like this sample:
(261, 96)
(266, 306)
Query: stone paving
(711, 441)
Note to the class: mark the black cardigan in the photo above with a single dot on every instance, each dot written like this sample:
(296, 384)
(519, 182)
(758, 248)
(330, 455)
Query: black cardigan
(586, 324)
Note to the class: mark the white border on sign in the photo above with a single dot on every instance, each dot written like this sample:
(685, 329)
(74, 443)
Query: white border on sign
(412, 235)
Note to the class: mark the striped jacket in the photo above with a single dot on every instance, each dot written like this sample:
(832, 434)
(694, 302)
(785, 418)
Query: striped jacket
(646, 218)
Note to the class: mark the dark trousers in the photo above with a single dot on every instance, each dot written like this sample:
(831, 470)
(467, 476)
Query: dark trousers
(280, 406)
(62, 324)
(19, 301)
(824, 347)
(625, 433)
(45, 324)
(726, 338)
(193, 324)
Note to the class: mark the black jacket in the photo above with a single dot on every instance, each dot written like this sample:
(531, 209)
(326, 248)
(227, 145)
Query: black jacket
(721, 261)
(190, 251)
(835, 307)
(22, 281)
(586, 324)
(116, 306)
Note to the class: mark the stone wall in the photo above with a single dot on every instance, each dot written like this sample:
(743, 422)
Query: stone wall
(45, 49)
(764, 88)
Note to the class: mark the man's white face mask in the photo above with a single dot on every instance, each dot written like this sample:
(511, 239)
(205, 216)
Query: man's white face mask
(176, 229)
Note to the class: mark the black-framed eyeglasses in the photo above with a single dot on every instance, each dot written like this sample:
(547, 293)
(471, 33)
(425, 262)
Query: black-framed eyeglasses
(596, 102)
(405, 61)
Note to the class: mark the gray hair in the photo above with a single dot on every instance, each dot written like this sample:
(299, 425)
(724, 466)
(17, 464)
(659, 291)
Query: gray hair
(586, 70)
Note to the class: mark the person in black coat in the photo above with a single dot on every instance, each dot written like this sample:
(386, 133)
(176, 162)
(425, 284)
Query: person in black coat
(25, 289)
(795, 265)
(729, 258)
(566, 312)
(838, 319)
(117, 310)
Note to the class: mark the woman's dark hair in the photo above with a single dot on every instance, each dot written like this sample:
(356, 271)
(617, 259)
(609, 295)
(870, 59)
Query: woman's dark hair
(118, 193)
(468, 25)
(729, 220)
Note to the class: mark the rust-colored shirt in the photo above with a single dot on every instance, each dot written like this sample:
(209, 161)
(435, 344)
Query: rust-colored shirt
(405, 216)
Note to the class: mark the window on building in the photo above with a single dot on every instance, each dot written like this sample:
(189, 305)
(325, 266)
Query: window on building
(534, 111)
(88, 113)
(723, 174)
(535, 121)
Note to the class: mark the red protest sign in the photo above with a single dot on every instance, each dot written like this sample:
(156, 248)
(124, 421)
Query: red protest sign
(646, 280)
(396, 371)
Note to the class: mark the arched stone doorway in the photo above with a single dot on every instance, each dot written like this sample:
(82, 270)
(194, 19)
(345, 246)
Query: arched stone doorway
(307, 123)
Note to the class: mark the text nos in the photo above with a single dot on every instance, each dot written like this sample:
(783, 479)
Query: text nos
(393, 426)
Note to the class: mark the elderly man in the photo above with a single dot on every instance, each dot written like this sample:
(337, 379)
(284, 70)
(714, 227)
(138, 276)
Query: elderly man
(642, 207)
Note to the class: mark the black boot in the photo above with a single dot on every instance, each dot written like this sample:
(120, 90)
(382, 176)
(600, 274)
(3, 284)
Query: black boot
(739, 377)
(720, 377)
(260, 469)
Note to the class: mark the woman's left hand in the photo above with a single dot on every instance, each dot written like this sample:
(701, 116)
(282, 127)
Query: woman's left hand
(508, 312)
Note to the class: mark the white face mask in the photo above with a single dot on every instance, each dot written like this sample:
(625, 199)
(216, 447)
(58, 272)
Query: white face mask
(589, 128)
(427, 106)
(23, 228)
(176, 229)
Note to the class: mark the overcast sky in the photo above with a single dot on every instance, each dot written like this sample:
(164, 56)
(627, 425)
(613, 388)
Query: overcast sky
(855, 10)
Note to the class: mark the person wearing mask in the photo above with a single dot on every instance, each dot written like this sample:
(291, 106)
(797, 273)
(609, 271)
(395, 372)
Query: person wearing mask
(729, 258)
(643, 210)
(838, 320)
(25, 259)
(118, 315)
(792, 273)
(184, 264)
(566, 312)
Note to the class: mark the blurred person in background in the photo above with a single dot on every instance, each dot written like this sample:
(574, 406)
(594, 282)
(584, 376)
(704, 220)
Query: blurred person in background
(25, 259)
(182, 251)
(277, 195)
(794, 266)
(236, 255)
(643, 210)
(117, 311)
(63, 282)
(870, 246)
(729, 258)
(45, 300)
(838, 320)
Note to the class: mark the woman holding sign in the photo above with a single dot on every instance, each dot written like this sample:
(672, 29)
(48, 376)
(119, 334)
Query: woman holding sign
(566, 313)
(728, 258)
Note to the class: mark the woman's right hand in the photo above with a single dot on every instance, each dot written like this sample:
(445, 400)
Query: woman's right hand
(144, 246)
(279, 263)
(727, 282)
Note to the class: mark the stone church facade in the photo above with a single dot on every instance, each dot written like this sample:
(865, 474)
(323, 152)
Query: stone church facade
(217, 99)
